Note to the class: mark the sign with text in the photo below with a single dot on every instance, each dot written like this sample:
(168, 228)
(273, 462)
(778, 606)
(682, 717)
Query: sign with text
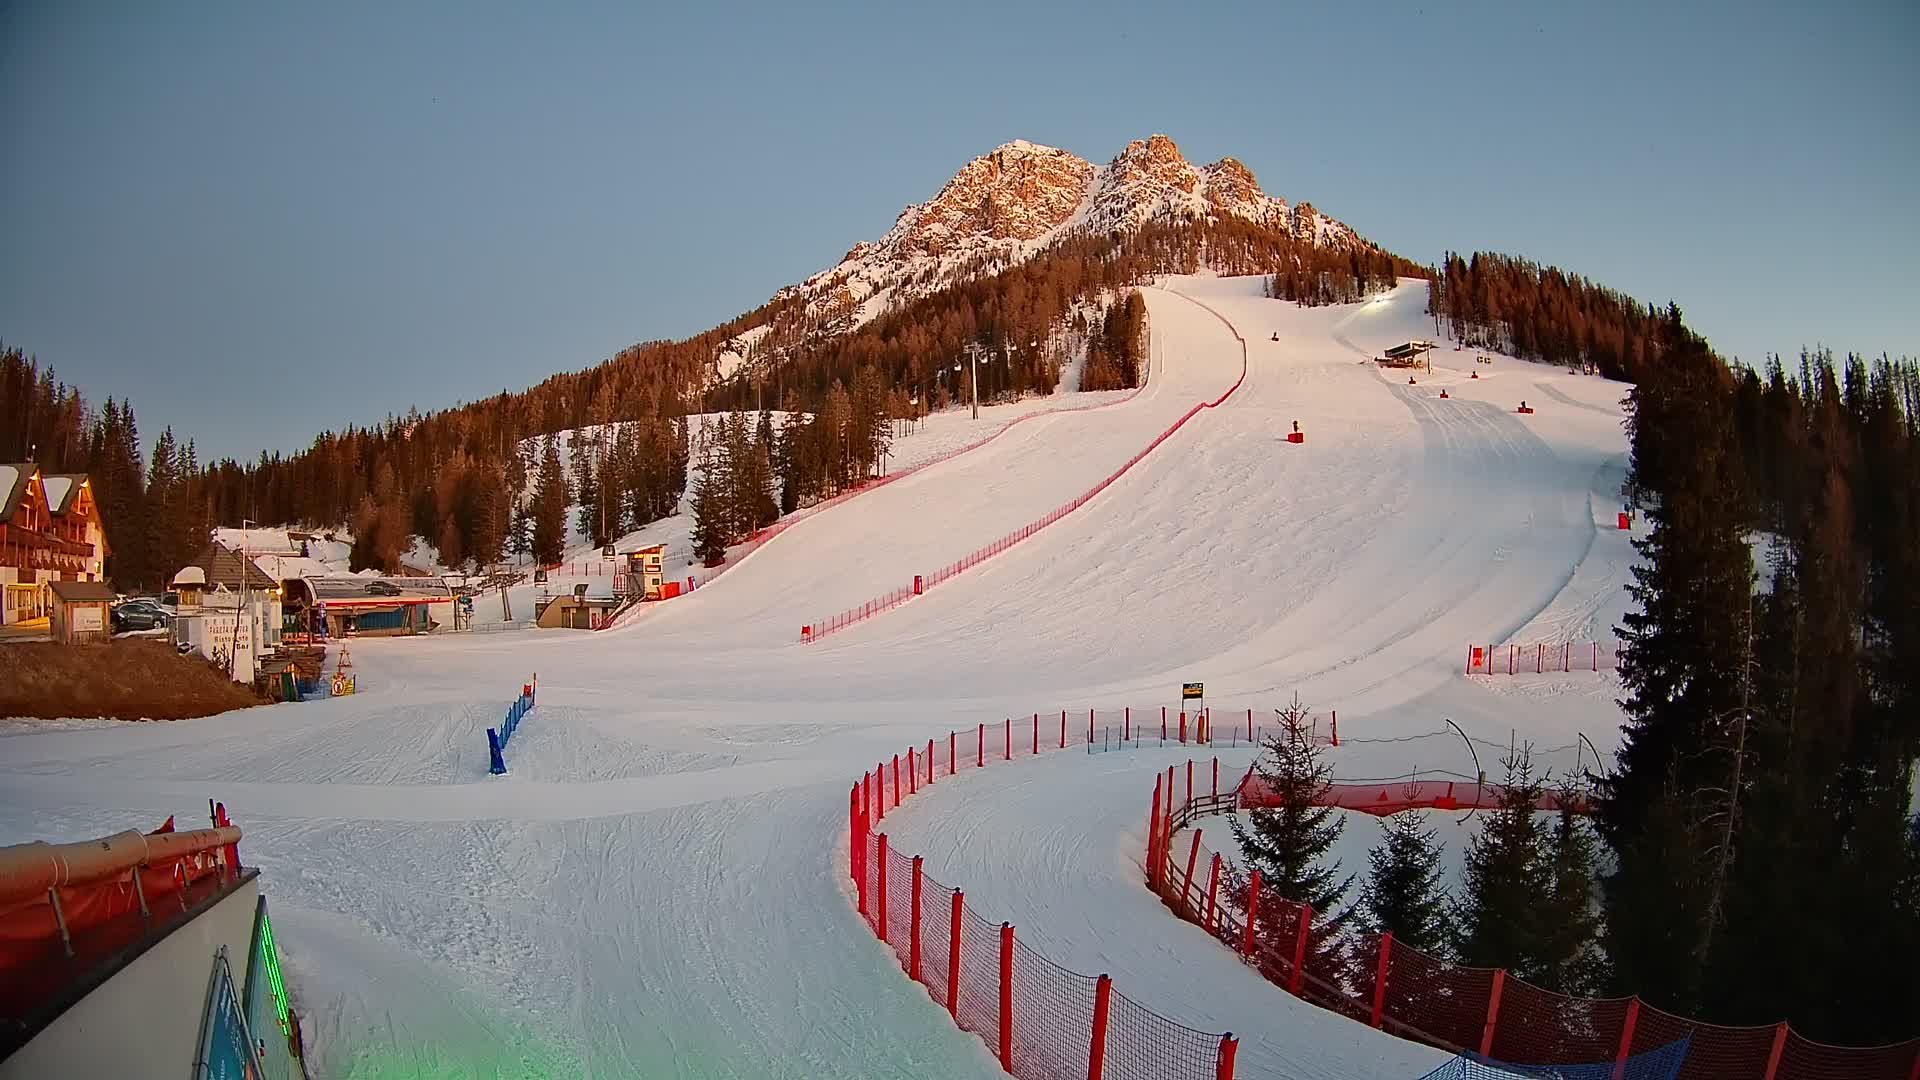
(1189, 691)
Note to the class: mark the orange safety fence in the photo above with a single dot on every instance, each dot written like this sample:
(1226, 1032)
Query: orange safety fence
(1040, 1020)
(1476, 1010)
(1541, 657)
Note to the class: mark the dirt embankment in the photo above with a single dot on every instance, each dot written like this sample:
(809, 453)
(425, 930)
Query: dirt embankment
(130, 679)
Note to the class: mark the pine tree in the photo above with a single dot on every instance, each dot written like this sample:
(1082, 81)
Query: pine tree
(549, 511)
(1497, 922)
(1289, 841)
(709, 511)
(585, 452)
(1683, 667)
(1403, 894)
(1571, 962)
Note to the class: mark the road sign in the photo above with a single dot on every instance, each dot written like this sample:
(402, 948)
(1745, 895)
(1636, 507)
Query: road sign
(1192, 690)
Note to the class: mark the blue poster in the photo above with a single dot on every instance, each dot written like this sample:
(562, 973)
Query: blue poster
(226, 1050)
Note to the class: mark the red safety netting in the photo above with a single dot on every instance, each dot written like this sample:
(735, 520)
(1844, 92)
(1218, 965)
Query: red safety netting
(815, 631)
(1457, 1008)
(993, 983)
(1541, 657)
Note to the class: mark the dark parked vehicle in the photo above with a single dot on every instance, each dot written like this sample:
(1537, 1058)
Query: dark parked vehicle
(383, 588)
(139, 615)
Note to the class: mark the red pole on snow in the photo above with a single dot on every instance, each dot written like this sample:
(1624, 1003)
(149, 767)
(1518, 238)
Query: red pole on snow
(982, 760)
(1153, 835)
(1009, 738)
(1183, 725)
(1253, 914)
(1249, 725)
(953, 759)
(1006, 996)
(1213, 895)
(857, 850)
(1126, 725)
(896, 779)
(1097, 1051)
(1216, 778)
(1300, 939)
(913, 773)
(1493, 1012)
(1380, 980)
(1626, 1040)
(1229, 1048)
(1773, 1057)
(880, 790)
(913, 949)
(929, 762)
(882, 926)
(1336, 727)
(1163, 723)
(1189, 802)
(1193, 860)
(954, 921)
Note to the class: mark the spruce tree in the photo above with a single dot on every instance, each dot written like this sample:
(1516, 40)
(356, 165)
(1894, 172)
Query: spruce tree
(709, 511)
(1403, 894)
(1289, 841)
(1683, 668)
(1571, 962)
(1498, 921)
(590, 522)
(549, 509)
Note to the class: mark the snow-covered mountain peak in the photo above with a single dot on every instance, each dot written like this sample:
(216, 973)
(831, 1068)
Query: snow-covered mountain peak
(1012, 202)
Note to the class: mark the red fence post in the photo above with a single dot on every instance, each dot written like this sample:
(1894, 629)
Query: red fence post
(1336, 727)
(1036, 733)
(1183, 726)
(1153, 835)
(1493, 1012)
(1009, 733)
(896, 779)
(1193, 861)
(929, 761)
(1779, 1045)
(1097, 1050)
(913, 773)
(913, 948)
(880, 790)
(1300, 939)
(1626, 1039)
(1213, 895)
(954, 922)
(1253, 915)
(857, 850)
(883, 886)
(1229, 1049)
(1380, 977)
(1163, 723)
(953, 759)
(981, 761)
(1189, 802)
(1006, 996)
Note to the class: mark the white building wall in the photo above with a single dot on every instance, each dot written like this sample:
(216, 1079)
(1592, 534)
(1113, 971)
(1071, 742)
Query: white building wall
(145, 1020)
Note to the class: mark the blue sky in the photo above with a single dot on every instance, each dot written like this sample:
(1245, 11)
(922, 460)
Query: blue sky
(258, 221)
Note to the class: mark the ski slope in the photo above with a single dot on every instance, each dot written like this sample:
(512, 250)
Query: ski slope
(654, 891)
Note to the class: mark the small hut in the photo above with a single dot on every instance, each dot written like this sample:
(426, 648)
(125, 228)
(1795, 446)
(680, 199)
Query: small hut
(80, 615)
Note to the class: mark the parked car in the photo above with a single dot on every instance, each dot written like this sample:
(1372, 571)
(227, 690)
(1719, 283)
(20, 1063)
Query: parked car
(139, 615)
(383, 588)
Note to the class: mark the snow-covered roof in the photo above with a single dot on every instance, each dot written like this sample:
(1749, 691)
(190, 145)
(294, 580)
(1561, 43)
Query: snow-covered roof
(56, 488)
(12, 477)
(255, 540)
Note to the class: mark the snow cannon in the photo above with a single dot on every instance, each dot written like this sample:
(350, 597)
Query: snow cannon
(1525, 409)
(1411, 381)
(1275, 337)
(1626, 522)
(1443, 395)
(1296, 435)
(1475, 375)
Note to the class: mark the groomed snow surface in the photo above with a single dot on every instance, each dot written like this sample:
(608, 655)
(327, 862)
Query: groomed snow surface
(657, 887)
